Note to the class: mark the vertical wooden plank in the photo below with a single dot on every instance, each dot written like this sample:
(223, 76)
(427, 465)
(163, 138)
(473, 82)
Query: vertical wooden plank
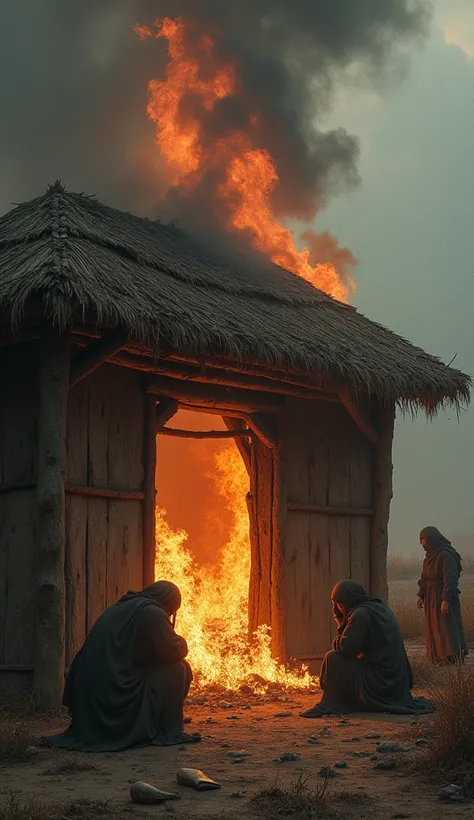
(307, 535)
(360, 496)
(50, 601)
(125, 451)
(338, 495)
(298, 613)
(97, 508)
(382, 496)
(18, 510)
(264, 522)
(18, 535)
(149, 489)
(255, 567)
(277, 589)
(76, 520)
(96, 558)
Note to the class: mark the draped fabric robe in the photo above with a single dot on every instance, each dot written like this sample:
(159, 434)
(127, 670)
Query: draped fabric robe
(445, 641)
(127, 685)
(367, 668)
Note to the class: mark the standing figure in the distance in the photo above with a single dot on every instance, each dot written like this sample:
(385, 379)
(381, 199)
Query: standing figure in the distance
(439, 595)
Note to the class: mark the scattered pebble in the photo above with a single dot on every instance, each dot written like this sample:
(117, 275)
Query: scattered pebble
(224, 704)
(389, 747)
(239, 755)
(351, 740)
(287, 757)
(372, 736)
(232, 717)
(453, 793)
(238, 794)
(341, 765)
(361, 754)
(324, 732)
(327, 771)
(314, 742)
(385, 765)
(422, 741)
(284, 714)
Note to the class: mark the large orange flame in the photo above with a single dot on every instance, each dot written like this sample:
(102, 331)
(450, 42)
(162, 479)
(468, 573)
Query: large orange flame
(214, 615)
(243, 199)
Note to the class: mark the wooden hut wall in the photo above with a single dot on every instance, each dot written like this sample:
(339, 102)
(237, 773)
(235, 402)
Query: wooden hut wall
(328, 464)
(104, 541)
(18, 515)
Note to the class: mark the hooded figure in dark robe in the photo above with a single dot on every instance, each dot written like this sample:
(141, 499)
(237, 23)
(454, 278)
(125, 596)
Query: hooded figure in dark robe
(127, 685)
(438, 595)
(367, 669)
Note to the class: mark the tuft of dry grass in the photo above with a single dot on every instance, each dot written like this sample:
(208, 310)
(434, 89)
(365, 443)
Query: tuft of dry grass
(15, 737)
(425, 674)
(298, 801)
(451, 748)
(352, 798)
(15, 807)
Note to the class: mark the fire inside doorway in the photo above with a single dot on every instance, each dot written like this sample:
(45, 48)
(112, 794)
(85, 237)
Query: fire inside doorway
(203, 545)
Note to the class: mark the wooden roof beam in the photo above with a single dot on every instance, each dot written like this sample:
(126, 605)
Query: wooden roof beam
(265, 427)
(360, 416)
(165, 410)
(214, 397)
(92, 356)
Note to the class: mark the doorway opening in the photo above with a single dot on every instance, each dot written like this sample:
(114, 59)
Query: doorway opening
(203, 544)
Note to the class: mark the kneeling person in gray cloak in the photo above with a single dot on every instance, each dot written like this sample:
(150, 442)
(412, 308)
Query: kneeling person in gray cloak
(367, 669)
(127, 685)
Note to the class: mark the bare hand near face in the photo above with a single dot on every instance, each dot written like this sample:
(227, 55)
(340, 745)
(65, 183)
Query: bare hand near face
(337, 613)
(445, 610)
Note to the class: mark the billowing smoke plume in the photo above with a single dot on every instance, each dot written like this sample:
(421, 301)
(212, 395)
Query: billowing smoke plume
(74, 80)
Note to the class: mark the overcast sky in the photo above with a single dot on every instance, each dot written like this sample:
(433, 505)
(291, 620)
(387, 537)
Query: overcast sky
(410, 222)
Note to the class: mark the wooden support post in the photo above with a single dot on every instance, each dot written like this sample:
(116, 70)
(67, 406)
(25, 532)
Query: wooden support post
(277, 594)
(51, 592)
(96, 353)
(242, 444)
(149, 490)
(360, 416)
(382, 496)
(265, 427)
(165, 411)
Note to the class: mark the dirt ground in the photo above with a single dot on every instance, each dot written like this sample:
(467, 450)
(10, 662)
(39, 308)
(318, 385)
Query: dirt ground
(257, 728)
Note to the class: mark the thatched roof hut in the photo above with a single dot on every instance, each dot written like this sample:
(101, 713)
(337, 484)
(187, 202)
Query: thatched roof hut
(109, 323)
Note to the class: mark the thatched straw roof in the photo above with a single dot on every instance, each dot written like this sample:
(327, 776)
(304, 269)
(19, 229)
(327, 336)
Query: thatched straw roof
(77, 255)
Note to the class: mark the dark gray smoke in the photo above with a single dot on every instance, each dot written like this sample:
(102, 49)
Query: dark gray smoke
(73, 91)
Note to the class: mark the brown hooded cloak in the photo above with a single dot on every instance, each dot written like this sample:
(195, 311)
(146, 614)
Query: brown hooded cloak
(445, 641)
(127, 685)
